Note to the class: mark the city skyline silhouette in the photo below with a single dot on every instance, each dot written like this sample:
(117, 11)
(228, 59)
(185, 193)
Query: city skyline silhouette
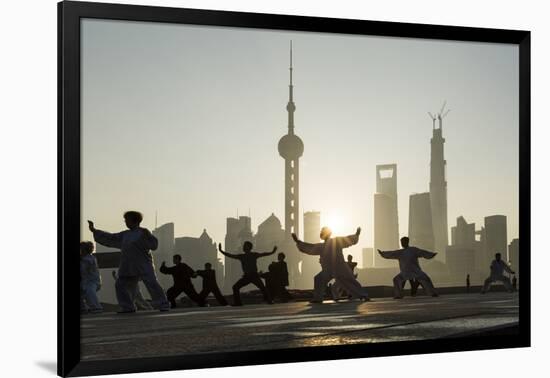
(193, 125)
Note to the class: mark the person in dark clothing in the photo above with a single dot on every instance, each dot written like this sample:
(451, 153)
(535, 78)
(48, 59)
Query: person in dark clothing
(209, 284)
(277, 279)
(182, 274)
(250, 271)
(467, 283)
(514, 283)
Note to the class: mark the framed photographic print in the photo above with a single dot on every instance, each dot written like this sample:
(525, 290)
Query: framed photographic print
(255, 189)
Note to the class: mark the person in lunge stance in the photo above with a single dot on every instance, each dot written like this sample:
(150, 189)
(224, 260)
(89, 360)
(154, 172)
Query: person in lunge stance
(498, 267)
(250, 271)
(333, 264)
(409, 267)
(182, 274)
(136, 262)
(209, 284)
(90, 280)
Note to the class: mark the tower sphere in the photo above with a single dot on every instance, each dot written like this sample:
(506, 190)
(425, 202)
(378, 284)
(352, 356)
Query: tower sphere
(291, 147)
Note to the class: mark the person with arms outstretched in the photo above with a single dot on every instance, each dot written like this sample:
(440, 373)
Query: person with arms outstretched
(409, 267)
(333, 264)
(182, 274)
(250, 271)
(209, 284)
(498, 267)
(136, 262)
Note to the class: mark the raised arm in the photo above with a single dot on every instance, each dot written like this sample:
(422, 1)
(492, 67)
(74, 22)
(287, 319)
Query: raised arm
(348, 241)
(268, 253)
(165, 270)
(390, 254)
(225, 253)
(308, 248)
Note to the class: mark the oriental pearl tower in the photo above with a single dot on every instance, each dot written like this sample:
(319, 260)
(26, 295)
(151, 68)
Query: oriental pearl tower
(291, 148)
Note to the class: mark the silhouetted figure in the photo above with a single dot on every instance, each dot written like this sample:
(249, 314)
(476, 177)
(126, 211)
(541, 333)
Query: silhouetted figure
(333, 264)
(140, 302)
(136, 262)
(90, 280)
(497, 274)
(276, 279)
(250, 271)
(467, 283)
(409, 267)
(209, 284)
(182, 274)
(514, 283)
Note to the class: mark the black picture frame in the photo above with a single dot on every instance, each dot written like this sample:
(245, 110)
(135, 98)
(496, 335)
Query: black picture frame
(69, 16)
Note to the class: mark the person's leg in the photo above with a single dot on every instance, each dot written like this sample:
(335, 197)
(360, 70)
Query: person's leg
(172, 293)
(507, 284)
(486, 285)
(140, 301)
(427, 284)
(91, 297)
(83, 305)
(243, 281)
(257, 281)
(397, 285)
(320, 282)
(219, 296)
(414, 287)
(190, 291)
(158, 297)
(124, 296)
(347, 281)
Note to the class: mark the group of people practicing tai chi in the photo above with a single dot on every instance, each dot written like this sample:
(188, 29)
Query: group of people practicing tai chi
(136, 264)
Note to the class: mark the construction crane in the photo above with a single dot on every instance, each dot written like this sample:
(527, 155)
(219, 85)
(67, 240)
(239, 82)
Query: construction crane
(440, 115)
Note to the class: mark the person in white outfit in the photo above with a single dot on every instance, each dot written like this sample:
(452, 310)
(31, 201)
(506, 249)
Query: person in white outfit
(497, 274)
(90, 279)
(136, 262)
(409, 267)
(333, 264)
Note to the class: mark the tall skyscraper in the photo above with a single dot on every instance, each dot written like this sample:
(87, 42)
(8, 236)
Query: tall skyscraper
(495, 238)
(438, 189)
(420, 221)
(310, 264)
(291, 149)
(386, 222)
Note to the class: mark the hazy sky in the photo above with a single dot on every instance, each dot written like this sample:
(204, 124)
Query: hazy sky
(185, 120)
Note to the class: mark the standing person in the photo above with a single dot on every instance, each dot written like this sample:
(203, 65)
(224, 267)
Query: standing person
(250, 271)
(90, 279)
(333, 264)
(279, 272)
(139, 300)
(514, 283)
(209, 284)
(497, 274)
(409, 267)
(467, 283)
(136, 262)
(182, 274)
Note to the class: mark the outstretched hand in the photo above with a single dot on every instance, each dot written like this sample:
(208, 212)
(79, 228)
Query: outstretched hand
(274, 249)
(379, 251)
(294, 237)
(358, 231)
(91, 226)
(220, 247)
